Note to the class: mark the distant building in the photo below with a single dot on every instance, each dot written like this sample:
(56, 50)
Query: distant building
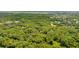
(16, 21)
(8, 22)
(53, 25)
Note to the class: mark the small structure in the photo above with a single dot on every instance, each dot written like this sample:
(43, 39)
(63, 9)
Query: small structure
(75, 19)
(53, 25)
(77, 22)
(51, 17)
(8, 22)
(16, 21)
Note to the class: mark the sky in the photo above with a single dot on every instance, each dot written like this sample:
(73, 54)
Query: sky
(39, 5)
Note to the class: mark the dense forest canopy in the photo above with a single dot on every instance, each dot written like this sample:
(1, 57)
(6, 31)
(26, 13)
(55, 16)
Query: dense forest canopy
(39, 29)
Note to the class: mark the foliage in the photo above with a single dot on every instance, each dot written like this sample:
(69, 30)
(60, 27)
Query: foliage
(26, 30)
